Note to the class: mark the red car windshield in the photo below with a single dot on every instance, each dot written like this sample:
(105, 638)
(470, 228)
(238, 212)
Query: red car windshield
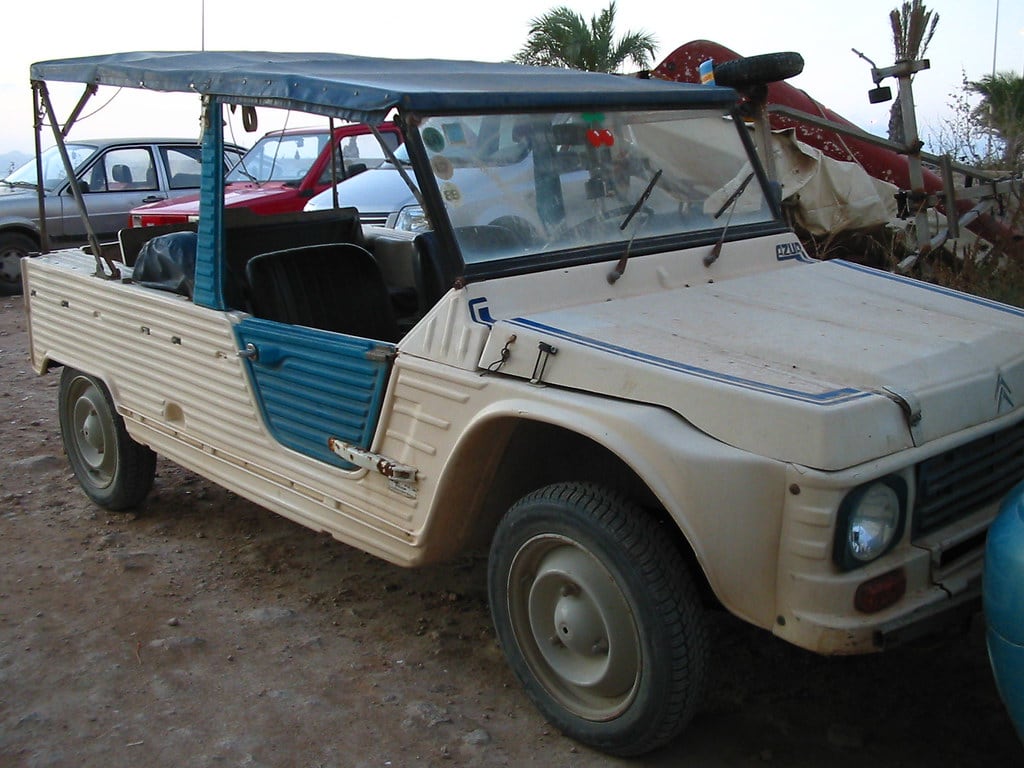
(286, 158)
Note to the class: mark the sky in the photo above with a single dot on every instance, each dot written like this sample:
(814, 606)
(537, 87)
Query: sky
(970, 38)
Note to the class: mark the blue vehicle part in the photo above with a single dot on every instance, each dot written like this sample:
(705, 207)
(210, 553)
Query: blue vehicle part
(364, 90)
(313, 385)
(1004, 603)
(209, 290)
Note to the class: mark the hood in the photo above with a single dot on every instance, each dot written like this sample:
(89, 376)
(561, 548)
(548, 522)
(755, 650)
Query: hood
(257, 196)
(238, 195)
(377, 190)
(18, 193)
(827, 365)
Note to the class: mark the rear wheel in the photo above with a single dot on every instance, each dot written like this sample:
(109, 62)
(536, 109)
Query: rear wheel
(114, 471)
(598, 617)
(13, 247)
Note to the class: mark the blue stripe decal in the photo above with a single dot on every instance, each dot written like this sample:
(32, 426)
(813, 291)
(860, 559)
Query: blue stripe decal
(981, 302)
(833, 397)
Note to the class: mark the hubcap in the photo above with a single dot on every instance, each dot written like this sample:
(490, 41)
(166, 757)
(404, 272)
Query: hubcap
(93, 433)
(575, 627)
(10, 265)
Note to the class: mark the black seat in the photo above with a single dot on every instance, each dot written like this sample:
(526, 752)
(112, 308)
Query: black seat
(168, 262)
(334, 287)
(429, 280)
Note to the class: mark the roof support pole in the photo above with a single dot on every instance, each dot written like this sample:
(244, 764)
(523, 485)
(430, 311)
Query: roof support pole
(88, 93)
(76, 189)
(210, 262)
(37, 129)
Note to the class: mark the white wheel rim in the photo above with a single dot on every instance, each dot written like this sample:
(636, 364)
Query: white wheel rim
(575, 627)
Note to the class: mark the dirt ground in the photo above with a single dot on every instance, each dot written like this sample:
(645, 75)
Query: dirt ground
(202, 630)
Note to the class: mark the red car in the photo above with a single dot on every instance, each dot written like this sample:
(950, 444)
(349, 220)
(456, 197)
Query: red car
(282, 172)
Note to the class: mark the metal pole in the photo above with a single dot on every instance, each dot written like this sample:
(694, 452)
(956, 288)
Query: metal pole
(995, 44)
(995, 41)
(335, 153)
(37, 124)
(917, 190)
(76, 190)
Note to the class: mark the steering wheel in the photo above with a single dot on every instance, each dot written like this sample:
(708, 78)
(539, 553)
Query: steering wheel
(609, 221)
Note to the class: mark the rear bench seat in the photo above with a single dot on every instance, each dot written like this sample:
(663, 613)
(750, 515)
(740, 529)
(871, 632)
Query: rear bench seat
(308, 241)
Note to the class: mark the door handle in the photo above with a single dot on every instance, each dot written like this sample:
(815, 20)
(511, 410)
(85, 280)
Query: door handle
(249, 353)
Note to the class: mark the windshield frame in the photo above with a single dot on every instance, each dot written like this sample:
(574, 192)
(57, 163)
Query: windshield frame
(470, 270)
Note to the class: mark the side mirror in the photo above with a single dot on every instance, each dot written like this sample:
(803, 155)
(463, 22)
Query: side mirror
(880, 94)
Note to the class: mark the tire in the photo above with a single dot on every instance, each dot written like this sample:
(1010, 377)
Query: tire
(598, 617)
(13, 247)
(758, 70)
(114, 471)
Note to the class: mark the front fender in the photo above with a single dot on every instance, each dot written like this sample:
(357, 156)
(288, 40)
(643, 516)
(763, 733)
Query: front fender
(727, 502)
(21, 225)
(20, 212)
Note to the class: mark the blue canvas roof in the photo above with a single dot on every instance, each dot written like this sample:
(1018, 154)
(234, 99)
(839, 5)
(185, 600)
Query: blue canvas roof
(365, 89)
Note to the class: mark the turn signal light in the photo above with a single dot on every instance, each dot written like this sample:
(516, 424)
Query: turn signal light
(881, 592)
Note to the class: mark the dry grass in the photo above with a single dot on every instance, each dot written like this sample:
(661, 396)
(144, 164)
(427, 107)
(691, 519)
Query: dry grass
(995, 272)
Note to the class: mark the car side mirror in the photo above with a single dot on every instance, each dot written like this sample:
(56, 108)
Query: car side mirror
(880, 94)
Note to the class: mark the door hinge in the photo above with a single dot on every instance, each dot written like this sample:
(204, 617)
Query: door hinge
(380, 354)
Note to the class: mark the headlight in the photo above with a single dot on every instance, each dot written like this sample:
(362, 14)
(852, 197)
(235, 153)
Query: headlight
(412, 219)
(870, 522)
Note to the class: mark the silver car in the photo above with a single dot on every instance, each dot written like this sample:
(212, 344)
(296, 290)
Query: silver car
(115, 176)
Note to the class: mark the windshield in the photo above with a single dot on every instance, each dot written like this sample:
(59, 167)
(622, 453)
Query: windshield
(53, 169)
(518, 184)
(285, 158)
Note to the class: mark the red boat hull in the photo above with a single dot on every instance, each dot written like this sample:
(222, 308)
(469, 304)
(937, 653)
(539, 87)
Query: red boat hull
(682, 66)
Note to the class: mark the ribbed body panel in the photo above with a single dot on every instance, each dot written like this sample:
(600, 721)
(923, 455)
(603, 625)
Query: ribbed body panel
(178, 381)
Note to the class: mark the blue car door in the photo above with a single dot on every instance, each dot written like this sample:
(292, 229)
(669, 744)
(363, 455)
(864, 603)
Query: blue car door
(313, 385)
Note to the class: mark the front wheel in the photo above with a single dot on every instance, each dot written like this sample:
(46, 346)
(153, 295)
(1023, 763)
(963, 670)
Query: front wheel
(598, 617)
(114, 471)
(13, 247)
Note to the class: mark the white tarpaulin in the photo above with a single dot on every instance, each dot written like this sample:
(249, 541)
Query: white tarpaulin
(828, 195)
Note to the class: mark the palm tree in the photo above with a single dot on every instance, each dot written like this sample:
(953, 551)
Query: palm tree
(1001, 111)
(562, 38)
(913, 26)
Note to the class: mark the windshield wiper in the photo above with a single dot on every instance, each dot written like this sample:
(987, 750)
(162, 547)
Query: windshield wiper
(620, 267)
(734, 196)
(640, 200)
(241, 169)
(21, 184)
(730, 203)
